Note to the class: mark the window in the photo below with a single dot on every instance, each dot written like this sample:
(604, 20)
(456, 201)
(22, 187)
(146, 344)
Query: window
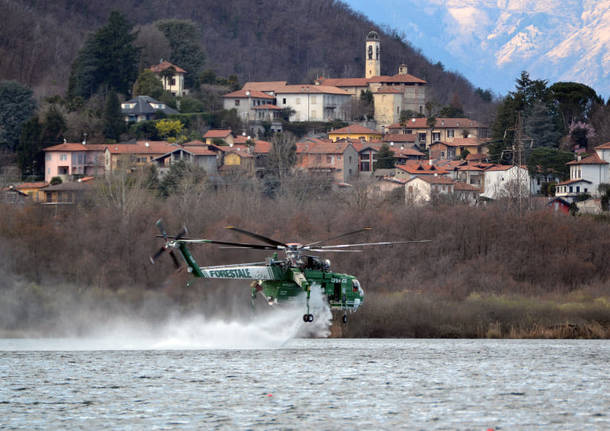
(350, 159)
(586, 190)
(398, 109)
(577, 189)
(284, 100)
(173, 81)
(63, 157)
(318, 158)
(47, 156)
(450, 133)
(436, 136)
(370, 52)
(421, 109)
(236, 102)
(571, 189)
(421, 136)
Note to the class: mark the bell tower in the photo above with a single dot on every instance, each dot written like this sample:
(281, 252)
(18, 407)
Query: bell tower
(373, 62)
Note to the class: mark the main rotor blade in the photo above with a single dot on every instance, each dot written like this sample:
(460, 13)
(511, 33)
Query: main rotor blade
(232, 244)
(364, 244)
(257, 236)
(183, 232)
(161, 228)
(175, 259)
(339, 236)
(156, 255)
(330, 250)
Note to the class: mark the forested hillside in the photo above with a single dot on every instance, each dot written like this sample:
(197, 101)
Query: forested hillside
(256, 40)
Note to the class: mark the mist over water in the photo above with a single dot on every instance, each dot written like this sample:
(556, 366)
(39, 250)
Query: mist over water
(126, 330)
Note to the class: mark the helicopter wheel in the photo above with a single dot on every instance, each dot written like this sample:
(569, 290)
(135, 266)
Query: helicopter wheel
(344, 318)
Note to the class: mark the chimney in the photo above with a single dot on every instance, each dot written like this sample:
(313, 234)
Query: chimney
(403, 70)
(579, 157)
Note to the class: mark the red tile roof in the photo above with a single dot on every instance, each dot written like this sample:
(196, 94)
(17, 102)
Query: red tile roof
(158, 68)
(321, 147)
(72, 146)
(399, 78)
(195, 142)
(34, 185)
(262, 147)
(143, 147)
(388, 90)
(593, 159)
(441, 123)
(264, 86)
(244, 94)
(355, 129)
(605, 146)
(200, 150)
(311, 89)
(420, 167)
(344, 82)
(217, 133)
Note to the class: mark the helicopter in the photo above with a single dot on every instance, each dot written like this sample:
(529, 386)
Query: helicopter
(280, 280)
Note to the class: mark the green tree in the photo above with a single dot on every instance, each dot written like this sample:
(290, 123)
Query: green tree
(575, 101)
(385, 158)
(542, 127)
(16, 107)
(54, 127)
(485, 95)
(148, 84)
(283, 155)
(545, 160)
(109, 60)
(29, 150)
(114, 124)
(183, 37)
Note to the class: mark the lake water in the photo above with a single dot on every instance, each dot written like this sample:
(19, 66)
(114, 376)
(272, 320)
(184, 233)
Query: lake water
(318, 384)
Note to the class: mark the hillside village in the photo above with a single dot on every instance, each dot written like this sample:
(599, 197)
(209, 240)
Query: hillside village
(397, 148)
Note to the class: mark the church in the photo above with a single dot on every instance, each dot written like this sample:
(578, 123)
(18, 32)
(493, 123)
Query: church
(327, 99)
(391, 94)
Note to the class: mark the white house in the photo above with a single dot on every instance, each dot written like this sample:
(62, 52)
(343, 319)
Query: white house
(313, 102)
(245, 103)
(586, 174)
(420, 189)
(505, 180)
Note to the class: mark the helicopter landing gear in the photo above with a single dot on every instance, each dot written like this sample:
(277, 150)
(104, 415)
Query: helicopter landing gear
(307, 317)
(344, 319)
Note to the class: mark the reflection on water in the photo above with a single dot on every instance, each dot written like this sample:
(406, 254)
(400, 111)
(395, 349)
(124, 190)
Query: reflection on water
(315, 384)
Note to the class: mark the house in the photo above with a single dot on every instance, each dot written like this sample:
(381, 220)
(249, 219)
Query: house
(313, 102)
(118, 157)
(466, 193)
(354, 131)
(244, 101)
(418, 168)
(337, 159)
(422, 189)
(456, 148)
(505, 181)
(238, 159)
(34, 190)
(218, 137)
(445, 130)
(144, 108)
(72, 160)
(69, 193)
(586, 174)
(197, 155)
(367, 154)
(171, 76)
